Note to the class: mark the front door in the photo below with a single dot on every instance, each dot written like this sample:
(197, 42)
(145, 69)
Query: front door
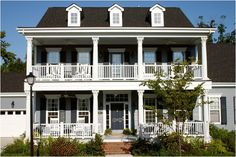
(117, 116)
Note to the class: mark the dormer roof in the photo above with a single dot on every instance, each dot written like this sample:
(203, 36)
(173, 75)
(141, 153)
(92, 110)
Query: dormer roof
(73, 6)
(115, 6)
(157, 6)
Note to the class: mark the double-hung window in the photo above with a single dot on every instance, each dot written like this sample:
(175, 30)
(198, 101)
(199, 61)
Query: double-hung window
(215, 110)
(116, 18)
(74, 18)
(83, 113)
(178, 54)
(157, 18)
(149, 57)
(149, 114)
(83, 55)
(52, 110)
(53, 55)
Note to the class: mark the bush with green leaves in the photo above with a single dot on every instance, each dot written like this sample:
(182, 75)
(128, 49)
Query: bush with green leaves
(19, 147)
(94, 147)
(63, 147)
(108, 131)
(227, 137)
(127, 131)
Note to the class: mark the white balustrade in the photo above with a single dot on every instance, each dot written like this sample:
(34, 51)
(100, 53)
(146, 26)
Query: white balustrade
(106, 72)
(117, 71)
(157, 129)
(67, 130)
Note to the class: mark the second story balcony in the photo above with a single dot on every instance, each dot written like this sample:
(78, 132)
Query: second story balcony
(73, 72)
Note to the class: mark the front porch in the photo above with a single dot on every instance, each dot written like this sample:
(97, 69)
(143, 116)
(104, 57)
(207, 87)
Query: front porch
(82, 114)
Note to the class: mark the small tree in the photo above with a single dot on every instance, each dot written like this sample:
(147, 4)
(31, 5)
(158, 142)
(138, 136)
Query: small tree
(175, 94)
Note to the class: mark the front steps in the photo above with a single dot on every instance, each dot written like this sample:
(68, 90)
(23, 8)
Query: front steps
(117, 147)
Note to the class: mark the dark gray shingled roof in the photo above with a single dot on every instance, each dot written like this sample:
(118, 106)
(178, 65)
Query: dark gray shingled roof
(221, 62)
(99, 17)
(12, 81)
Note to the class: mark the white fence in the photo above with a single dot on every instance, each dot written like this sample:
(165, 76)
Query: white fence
(157, 129)
(12, 125)
(106, 72)
(68, 130)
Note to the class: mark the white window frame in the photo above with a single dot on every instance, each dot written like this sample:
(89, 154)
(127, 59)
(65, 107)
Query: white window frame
(219, 108)
(84, 50)
(149, 96)
(56, 97)
(82, 97)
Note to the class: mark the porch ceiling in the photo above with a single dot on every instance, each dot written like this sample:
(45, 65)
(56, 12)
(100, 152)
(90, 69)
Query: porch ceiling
(116, 41)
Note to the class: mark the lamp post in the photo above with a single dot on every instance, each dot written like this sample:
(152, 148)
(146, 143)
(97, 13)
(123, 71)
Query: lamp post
(30, 80)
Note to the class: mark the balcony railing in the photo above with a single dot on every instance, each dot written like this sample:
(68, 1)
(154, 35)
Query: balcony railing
(106, 72)
(157, 129)
(67, 130)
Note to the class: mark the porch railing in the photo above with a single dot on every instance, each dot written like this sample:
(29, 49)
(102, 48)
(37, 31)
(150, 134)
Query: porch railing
(151, 69)
(106, 72)
(67, 130)
(157, 129)
(118, 71)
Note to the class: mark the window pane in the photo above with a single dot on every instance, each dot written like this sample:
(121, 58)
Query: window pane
(84, 58)
(150, 117)
(178, 57)
(157, 18)
(149, 57)
(116, 19)
(53, 57)
(214, 105)
(73, 17)
(215, 116)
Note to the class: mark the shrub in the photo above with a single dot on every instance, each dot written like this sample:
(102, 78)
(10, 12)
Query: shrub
(18, 147)
(94, 147)
(127, 131)
(228, 138)
(108, 131)
(134, 132)
(63, 147)
(143, 147)
(175, 144)
(216, 147)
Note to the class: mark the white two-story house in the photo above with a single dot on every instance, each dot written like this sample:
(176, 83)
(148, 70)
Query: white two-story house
(89, 63)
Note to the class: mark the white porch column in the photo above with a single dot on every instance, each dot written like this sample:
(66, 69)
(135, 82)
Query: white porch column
(140, 57)
(29, 55)
(140, 106)
(206, 119)
(95, 110)
(204, 58)
(27, 131)
(196, 54)
(95, 58)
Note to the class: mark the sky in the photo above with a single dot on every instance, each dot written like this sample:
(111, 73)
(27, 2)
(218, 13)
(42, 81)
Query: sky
(28, 13)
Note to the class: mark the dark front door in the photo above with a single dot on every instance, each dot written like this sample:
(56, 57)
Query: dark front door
(117, 116)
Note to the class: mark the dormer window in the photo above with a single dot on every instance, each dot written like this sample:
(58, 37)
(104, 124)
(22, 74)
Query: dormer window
(116, 15)
(74, 15)
(157, 15)
(116, 18)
